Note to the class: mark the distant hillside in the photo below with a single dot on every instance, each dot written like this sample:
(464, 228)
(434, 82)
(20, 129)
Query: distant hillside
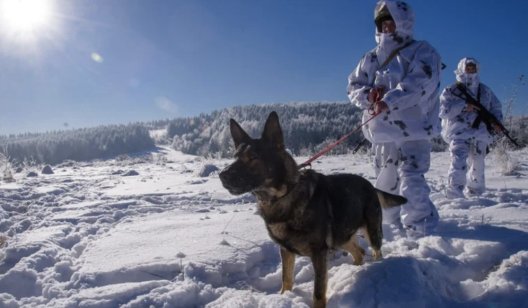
(79, 144)
(307, 128)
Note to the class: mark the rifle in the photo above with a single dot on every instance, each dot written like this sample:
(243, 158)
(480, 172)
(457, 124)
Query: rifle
(483, 115)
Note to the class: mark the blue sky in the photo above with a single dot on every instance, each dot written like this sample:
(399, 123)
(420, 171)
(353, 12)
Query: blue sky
(98, 62)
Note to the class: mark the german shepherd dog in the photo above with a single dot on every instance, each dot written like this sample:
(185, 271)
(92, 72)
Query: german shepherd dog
(306, 213)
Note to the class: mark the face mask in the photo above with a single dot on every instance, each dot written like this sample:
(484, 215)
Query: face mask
(386, 44)
(385, 39)
(469, 79)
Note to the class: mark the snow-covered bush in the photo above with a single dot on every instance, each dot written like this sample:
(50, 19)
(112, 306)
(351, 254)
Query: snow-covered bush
(207, 170)
(5, 167)
(507, 164)
(47, 170)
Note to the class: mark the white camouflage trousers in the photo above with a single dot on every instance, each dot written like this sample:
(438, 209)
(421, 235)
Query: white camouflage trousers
(400, 170)
(467, 168)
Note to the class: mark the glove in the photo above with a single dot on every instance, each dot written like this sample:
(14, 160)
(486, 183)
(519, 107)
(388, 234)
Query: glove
(376, 104)
(375, 94)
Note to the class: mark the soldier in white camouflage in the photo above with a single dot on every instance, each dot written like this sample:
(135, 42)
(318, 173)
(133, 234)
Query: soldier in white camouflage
(467, 135)
(400, 80)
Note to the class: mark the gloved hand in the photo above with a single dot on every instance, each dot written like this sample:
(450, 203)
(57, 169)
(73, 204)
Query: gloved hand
(375, 94)
(375, 98)
(380, 106)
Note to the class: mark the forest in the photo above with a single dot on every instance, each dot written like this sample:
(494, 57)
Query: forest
(307, 127)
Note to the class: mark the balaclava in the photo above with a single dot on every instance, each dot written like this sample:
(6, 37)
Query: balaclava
(470, 80)
(403, 17)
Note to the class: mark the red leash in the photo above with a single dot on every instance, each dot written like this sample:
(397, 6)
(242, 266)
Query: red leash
(333, 145)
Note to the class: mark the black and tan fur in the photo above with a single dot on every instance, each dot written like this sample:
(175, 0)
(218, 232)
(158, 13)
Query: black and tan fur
(306, 213)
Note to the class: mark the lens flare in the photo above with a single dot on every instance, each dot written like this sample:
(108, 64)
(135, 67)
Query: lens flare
(25, 18)
(96, 57)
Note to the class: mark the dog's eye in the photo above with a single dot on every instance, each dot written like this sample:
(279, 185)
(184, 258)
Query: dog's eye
(252, 156)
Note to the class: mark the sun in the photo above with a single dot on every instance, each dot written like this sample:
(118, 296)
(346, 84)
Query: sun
(25, 18)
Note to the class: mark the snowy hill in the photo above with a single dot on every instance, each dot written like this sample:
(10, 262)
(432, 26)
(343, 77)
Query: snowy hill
(98, 235)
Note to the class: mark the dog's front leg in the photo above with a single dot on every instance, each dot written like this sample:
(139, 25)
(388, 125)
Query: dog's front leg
(319, 264)
(288, 263)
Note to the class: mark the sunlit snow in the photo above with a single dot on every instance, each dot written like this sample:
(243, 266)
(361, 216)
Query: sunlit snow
(89, 236)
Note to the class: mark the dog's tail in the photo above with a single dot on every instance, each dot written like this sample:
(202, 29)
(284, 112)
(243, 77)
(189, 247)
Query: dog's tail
(389, 200)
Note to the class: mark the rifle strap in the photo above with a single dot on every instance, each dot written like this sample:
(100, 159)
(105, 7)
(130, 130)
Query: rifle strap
(463, 89)
(393, 54)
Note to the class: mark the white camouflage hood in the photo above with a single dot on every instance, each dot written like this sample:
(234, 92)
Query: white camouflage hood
(403, 17)
(471, 81)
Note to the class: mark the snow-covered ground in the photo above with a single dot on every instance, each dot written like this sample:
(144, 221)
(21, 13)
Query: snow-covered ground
(89, 236)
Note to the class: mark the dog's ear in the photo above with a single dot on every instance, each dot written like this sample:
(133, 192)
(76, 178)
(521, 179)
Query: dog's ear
(238, 134)
(273, 132)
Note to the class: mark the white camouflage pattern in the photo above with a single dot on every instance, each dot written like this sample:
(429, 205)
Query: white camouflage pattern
(466, 144)
(401, 136)
(456, 121)
(412, 80)
(466, 173)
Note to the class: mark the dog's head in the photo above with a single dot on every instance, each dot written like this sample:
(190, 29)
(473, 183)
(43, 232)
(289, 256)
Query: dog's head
(260, 164)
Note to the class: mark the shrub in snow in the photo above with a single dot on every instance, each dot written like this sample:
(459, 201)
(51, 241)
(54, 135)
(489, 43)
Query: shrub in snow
(131, 173)
(507, 164)
(207, 169)
(181, 255)
(3, 240)
(47, 170)
(32, 174)
(123, 157)
(8, 176)
(6, 166)
(67, 163)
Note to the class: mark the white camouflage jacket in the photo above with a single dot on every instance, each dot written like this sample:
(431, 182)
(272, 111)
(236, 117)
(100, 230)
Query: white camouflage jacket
(412, 83)
(457, 122)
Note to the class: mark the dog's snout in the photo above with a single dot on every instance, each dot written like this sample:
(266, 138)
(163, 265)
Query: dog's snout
(224, 175)
(227, 178)
(235, 180)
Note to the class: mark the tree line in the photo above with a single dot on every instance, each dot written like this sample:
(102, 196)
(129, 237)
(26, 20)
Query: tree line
(78, 145)
(307, 128)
